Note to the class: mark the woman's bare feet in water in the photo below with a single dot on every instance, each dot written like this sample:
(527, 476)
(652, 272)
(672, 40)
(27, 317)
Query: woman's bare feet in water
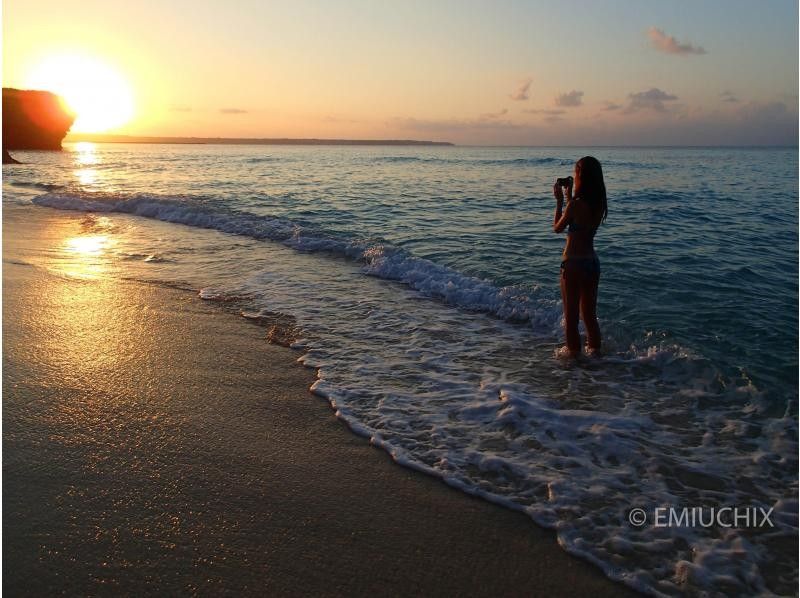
(566, 353)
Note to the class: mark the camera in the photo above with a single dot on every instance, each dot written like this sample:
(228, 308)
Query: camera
(565, 182)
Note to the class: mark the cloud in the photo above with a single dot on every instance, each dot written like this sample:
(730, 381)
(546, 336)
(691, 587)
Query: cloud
(750, 123)
(741, 124)
(763, 112)
(180, 108)
(727, 96)
(338, 119)
(611, 106)
(652, 99)
(492, 115)
(551, 116)
(573, 98)
(451, 125)
(669, 45)
(545, 111)
(522, 93)
(232, 111)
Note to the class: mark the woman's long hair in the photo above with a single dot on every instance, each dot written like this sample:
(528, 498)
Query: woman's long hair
(589, 185)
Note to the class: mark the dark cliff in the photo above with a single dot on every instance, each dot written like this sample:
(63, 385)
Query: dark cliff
(34, 120)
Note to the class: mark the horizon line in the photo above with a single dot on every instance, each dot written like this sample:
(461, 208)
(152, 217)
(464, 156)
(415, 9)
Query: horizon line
(190, 140)
(187, 140)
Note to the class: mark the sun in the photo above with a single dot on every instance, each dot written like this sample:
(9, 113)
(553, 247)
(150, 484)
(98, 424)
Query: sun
(100, 97)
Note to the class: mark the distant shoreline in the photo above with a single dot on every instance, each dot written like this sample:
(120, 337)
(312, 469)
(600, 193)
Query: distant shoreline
(97, 138)
(104, 138)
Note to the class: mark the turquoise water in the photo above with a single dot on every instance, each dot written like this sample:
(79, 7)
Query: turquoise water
(424, 282)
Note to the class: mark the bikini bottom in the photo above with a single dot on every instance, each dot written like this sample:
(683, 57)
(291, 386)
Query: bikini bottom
(588, 265)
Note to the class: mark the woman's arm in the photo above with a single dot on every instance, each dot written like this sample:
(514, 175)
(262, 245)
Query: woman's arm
(561, 220)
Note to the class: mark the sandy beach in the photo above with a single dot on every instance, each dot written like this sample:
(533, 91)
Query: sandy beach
(157, 444)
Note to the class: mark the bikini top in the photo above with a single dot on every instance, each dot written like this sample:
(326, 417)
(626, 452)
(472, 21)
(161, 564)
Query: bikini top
(574, 227)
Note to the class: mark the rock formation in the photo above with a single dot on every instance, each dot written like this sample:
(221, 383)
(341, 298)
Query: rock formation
(34, 120)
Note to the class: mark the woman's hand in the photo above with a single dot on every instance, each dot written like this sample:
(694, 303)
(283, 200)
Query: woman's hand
(569, 190)
(558, 193)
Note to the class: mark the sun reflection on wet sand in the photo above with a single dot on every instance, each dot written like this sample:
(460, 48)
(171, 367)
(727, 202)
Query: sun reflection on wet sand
(88, 322)
(84, 256)
(90, 245)
(91, 309)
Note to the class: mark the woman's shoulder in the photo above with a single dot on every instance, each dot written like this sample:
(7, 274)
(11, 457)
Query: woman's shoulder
(580, 206)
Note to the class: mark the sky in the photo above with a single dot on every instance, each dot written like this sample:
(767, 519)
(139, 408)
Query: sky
(565, 72)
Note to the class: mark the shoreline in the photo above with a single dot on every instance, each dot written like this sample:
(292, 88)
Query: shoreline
(155, 443)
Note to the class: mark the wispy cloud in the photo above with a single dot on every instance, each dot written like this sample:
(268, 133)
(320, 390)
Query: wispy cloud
(764, 112)
(745, 123)
(669, 45)
(550, 115)
(611, 106)
(652, 99)
(523, 91)
(180, 108)
(332, 118)
(728, 96)
(451, 125)
(571, 99)
(546, 111)
(232, 111)
(493, 115)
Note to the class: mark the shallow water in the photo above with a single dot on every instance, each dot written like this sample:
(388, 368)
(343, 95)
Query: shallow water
(424, 283)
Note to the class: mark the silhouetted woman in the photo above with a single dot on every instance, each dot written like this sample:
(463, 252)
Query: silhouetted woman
(580, 268)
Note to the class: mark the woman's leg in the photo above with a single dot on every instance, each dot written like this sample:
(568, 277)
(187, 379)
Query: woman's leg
(570, 297)
(588, 293)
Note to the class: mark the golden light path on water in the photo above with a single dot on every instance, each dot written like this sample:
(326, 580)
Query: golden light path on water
(85, 160)
(85, 255)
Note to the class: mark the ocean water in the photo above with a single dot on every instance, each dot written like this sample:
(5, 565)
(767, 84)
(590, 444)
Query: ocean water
(423, 286)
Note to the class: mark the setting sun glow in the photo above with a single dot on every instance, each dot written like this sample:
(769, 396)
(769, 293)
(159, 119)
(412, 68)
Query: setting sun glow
(100, 97)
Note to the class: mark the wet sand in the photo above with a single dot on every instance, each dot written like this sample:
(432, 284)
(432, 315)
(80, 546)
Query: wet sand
(156, 444)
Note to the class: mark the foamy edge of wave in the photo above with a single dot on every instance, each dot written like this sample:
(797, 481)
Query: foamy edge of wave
(400, 456)
(381, 260)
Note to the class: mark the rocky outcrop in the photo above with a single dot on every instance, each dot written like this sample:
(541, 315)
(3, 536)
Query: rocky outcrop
(34, 120)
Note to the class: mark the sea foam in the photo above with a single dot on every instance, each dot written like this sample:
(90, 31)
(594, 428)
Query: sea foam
(382, 260)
